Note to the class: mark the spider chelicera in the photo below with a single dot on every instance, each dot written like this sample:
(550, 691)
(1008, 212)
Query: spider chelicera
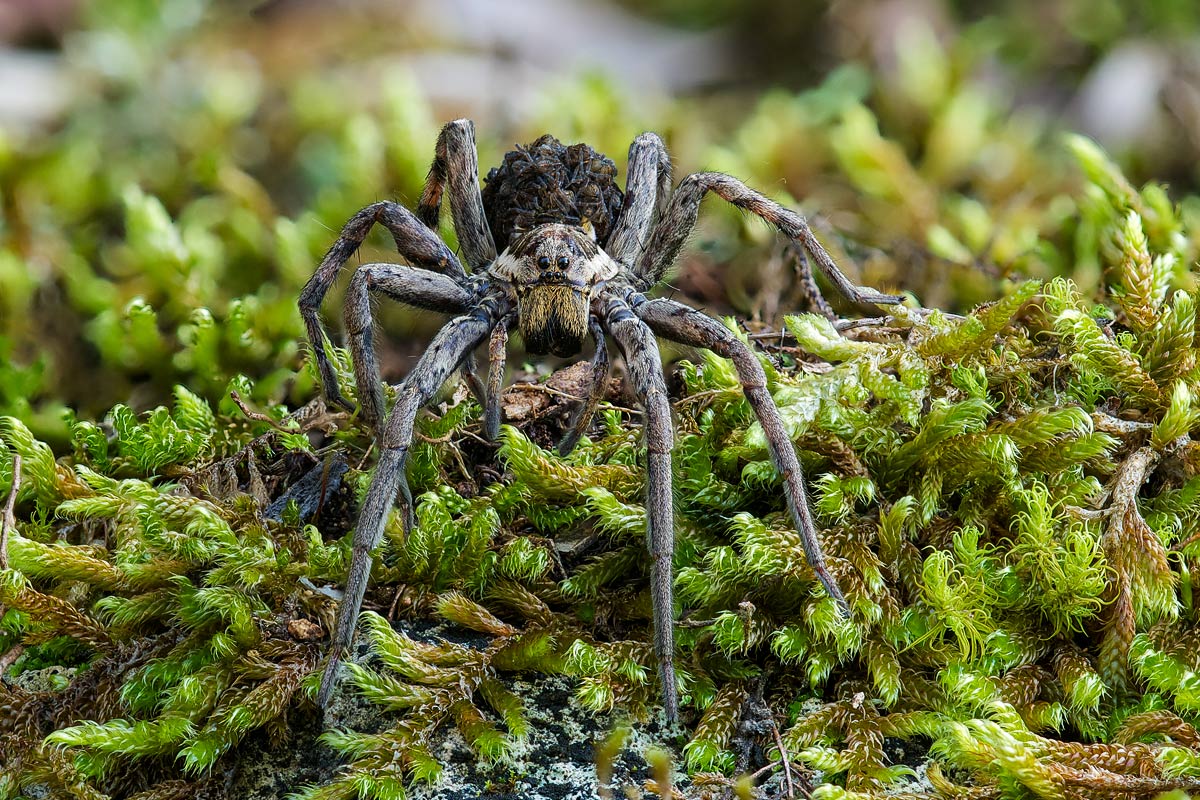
(576, 256)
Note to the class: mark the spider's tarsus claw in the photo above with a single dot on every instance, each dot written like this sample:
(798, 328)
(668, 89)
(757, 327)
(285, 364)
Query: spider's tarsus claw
(831, 588)
(336, 399)
(567, 444)
(871, 297)
(671, 707)
(839, 599)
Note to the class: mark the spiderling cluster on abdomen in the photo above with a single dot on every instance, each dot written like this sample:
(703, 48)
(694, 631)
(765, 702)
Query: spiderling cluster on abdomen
(575, 256)
(547, 181)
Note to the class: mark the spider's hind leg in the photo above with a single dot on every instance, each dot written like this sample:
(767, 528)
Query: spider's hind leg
(673, 229)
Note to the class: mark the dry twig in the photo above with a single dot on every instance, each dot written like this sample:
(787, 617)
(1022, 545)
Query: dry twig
(9, 519)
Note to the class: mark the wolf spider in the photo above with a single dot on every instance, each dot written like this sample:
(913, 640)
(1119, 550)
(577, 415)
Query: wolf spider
(577, 256)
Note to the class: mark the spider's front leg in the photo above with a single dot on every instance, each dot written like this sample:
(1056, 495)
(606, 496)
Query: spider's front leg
(673, 229)
(497, 357)
(447, 350)
(679, 323)
(640, 349)
(587, 409)
(414, 287)
(414, 241)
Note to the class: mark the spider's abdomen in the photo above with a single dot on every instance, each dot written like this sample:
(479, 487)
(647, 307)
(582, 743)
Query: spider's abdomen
(547, 181)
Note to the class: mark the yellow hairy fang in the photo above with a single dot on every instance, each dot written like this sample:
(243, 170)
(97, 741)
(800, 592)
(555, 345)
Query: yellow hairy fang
(553, 319)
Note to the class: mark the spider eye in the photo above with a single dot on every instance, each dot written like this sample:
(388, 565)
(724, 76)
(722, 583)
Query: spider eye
(563, 262)
(544, 262)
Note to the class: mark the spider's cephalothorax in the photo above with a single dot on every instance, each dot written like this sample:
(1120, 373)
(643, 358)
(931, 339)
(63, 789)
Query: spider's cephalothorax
(553, 270)
(576, 257)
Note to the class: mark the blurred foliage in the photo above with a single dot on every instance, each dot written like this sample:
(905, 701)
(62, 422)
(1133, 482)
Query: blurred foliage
(161, 233)
(1008, 488)
(1041, 50)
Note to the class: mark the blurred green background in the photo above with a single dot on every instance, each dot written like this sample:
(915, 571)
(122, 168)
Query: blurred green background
(171, 172)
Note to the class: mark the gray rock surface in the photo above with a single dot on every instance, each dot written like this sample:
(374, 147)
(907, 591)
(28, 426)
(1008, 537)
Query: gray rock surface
(556, 761)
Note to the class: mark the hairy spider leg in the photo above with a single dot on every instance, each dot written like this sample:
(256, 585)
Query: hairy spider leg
(671, 232)
(644, 364)
(587, 409)
(414, 287)
(680, 323)
(447, 350)
(456, 164)
(415, 243)
(806, 283)
(497, 357)
(647, 190)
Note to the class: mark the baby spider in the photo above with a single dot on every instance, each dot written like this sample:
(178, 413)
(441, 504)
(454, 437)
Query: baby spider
(576, 256)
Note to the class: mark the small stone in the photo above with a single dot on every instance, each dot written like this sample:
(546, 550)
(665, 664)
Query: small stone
(303, 630)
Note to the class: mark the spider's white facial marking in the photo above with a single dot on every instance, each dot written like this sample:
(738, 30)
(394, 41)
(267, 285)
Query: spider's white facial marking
(553, 270)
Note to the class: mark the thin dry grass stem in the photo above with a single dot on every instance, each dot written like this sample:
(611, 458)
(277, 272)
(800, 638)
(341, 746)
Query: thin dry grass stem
(550, 390)
(693, 398)
(10, 657)
(1127, 538)
(257, 416)
(314, 414)
(9, 520)
(764, 769)
(473, 435)
(783, 756)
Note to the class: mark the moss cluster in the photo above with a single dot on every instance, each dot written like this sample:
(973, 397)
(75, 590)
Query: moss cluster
(1008, 488)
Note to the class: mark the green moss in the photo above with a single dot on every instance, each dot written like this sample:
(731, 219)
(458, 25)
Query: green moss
(1007, 487)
